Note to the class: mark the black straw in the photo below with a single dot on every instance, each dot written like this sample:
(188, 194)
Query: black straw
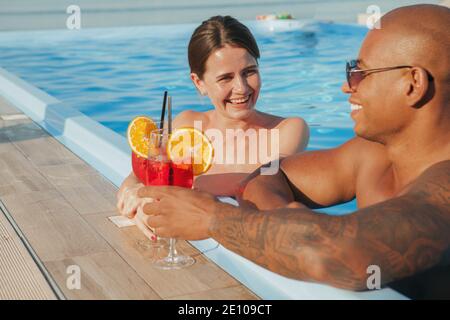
(169, 113)
(163, 111)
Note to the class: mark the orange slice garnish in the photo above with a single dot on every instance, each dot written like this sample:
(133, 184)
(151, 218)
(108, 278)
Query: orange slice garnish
(192, 145)
(138, 134)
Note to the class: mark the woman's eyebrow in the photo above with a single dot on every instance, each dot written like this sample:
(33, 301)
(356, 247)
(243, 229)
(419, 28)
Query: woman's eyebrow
(224, 75)
(253, 66)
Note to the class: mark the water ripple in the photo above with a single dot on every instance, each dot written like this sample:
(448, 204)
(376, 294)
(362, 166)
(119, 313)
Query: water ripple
(113, 75)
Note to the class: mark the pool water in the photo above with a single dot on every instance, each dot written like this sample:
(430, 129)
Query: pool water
(112, 75)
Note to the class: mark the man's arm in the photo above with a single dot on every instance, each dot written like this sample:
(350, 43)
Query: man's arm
(316, 178)
(220, 184)
(403, 236)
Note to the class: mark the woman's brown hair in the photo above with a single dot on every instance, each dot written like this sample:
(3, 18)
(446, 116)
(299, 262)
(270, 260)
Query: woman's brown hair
(215, 33)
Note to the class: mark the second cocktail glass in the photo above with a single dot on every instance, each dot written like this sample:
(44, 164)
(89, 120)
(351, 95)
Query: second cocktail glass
(160, 170)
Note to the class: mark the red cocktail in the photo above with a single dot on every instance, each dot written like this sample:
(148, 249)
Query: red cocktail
(157, 172)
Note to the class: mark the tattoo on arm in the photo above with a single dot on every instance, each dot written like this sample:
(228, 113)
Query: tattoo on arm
(295, 243)
(403, 236)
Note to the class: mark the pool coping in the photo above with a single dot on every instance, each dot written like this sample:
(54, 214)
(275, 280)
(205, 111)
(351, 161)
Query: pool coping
(108, 152)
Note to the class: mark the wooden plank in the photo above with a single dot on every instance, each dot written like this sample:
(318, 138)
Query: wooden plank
(58, 233)
(7, 108)
(22, 130)
(38, 146)
(17, 176)
(83, 188)
(81, 185)
(102, 276)
(54, 229)
(20, 278)
(202, 276)
(231, 293)
(61, 237)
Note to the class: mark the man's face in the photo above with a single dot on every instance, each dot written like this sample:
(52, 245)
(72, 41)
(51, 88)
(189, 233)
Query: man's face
(378, 101)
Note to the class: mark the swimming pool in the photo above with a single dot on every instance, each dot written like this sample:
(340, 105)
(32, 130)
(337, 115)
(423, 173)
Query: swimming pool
(75, 80)
(112, 75)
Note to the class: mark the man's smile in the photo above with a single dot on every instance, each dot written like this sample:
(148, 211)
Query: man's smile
(355, 108)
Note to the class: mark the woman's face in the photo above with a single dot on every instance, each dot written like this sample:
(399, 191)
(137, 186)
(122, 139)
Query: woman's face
(231, 81)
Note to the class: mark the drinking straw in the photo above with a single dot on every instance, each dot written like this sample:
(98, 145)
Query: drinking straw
(169, 113)
(163, 111)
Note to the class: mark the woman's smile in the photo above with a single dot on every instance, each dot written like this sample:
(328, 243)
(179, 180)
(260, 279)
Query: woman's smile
(238, 102)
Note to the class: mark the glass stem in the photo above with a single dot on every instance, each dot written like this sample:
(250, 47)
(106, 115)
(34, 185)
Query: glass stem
(172, 250)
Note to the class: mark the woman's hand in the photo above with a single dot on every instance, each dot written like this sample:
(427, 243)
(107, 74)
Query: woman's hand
(140, 219)
(128, 200)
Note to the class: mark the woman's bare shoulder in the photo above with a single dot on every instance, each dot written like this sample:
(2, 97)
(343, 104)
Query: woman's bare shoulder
(293, 123)
(296, 131)
(282, 123)
(268, 121)
(293, 133)
(189, 117)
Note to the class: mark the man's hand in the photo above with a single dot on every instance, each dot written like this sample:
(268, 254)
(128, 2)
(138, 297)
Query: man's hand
(179, 212)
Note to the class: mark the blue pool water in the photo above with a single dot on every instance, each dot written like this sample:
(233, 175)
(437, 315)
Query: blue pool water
(112, 75)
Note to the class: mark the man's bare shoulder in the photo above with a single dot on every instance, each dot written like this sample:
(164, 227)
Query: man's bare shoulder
(433, 186)
(364, 148)
(356, 152)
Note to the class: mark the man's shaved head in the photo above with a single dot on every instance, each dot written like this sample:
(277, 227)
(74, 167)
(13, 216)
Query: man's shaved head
(419, 35)
(397, 101)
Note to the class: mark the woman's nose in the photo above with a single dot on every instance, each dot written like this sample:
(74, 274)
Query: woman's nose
(240, 85)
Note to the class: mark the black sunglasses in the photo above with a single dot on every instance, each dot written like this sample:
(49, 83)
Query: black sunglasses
(355, 75)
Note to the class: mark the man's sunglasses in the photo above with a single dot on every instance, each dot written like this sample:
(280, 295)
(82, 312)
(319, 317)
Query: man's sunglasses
(355, 75)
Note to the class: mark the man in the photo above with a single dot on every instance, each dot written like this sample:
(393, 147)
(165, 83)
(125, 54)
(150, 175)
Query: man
(398, 168)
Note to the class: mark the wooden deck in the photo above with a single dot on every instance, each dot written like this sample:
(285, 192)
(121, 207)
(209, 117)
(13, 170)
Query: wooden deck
(61, 206)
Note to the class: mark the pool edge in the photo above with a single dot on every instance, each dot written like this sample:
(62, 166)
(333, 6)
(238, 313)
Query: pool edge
(70, 127)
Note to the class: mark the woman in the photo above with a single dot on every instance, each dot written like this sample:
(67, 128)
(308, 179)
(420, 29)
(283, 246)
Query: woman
(223, 58)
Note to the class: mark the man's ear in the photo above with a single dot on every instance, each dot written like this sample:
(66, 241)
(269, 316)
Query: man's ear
(199, 84)
(419, 84)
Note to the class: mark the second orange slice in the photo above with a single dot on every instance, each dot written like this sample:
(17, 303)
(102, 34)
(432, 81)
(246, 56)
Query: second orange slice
(194, 144)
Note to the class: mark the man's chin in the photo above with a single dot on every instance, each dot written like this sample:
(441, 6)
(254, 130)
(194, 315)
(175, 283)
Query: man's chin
(364, 134)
